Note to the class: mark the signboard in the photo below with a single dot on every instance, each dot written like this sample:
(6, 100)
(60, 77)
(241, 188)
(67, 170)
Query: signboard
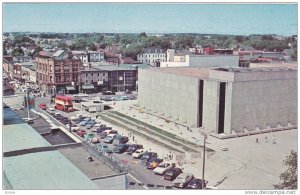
(120, 78)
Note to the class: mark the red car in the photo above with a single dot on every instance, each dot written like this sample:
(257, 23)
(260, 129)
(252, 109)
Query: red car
(81, 133)
(43, 106)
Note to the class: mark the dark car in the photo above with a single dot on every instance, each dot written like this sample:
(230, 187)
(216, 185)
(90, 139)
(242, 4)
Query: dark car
(108, 93)
(103, 128)
(147, 156)
(77, 100)
(105, 98)
(153, 163)
(133, 148)
(173, 173)
(196, 184)
(120, 140)
(121, 148)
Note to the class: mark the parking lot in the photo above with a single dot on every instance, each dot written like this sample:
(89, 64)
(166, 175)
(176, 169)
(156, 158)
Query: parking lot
(139, 176)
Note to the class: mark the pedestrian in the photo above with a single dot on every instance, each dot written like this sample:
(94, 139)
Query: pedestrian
(274, 140)
(133, 138)
(266, 139)
(257, 140)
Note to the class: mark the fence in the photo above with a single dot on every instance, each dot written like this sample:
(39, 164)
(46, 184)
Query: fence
(105, 158)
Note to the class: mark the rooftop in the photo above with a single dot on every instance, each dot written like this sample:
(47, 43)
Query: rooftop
(44, 171)
(185, 71)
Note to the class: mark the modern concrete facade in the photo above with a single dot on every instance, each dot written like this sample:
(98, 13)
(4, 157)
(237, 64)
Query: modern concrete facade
(212, 60)
(223, 100)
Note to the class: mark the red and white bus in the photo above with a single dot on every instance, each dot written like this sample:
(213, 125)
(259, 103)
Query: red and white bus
(63, 103)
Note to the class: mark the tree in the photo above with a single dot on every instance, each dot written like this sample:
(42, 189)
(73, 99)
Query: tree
(17, 52)
(289, 177)
(117, 38)
(142, 34)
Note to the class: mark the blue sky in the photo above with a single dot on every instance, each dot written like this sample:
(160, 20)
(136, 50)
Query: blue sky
(235, 19)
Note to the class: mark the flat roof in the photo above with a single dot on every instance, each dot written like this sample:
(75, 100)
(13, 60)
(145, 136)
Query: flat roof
(21, 136)
(45, 171)
(185, 71)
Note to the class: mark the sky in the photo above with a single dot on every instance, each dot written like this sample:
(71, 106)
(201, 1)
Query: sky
(236, 19)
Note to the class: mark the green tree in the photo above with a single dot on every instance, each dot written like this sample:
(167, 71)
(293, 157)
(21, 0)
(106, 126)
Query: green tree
(142, 34)
(17, 52)
(289, 177)
(116, 38)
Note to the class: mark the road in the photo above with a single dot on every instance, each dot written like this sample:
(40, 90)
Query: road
(137, 173)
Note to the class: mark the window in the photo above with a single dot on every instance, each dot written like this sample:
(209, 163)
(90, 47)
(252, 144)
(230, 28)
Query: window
(98, 74)
(86, 81)
(103, 74)
(86, 75)
(92, 74)
(103, 80)
(92, 81)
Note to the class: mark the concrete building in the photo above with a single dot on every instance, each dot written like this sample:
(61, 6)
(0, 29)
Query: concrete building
(56, 71)
(95, 56)
(212, 60)
(223, 100)
(82, 55)
(96, 77)
(152, 56)
(32, 163)
(203, 61)
(92, 106)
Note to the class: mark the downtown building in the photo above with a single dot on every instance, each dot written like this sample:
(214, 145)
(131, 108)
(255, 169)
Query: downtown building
(57, 72)
(226, 101)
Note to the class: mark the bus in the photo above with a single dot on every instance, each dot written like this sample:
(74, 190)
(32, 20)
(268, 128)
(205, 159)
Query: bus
(63, 103)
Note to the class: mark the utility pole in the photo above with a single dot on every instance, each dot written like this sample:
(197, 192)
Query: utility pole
(203, 164)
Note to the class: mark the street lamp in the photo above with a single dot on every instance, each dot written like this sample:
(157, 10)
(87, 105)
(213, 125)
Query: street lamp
(203, 164)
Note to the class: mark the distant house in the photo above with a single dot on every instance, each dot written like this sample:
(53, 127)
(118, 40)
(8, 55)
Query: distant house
(152, 56)
(95, 56)
(82, 55)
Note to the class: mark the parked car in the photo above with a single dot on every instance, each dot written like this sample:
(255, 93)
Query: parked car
(104, 148)
(138, 153)
(172, 173)
(132, 148)
(182, 180)
(147, 156)
(77, 100)
(108, 93)
(132, 97)
(153, 163)
(103, 128)
(106, 98)
(120, 148)
(81, 95)
(81, 133)
(162, 168)
(124, 98)
(120, 140)
(74, 127)
(90, 124)
(109, 138)
(196, 184)
(43, 106)
(128, 91)
(84, 121)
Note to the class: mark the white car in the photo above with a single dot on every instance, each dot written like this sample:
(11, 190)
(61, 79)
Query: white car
(72, 128)
(182, 180)
(138, 153)
(81, 95)
(162, 168)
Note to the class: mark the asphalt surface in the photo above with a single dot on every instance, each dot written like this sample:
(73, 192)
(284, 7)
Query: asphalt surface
(136, 171)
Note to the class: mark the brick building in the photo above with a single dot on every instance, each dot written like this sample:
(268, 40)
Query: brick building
(57, 71)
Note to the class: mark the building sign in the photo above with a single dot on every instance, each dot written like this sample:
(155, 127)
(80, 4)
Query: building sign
(120, 78)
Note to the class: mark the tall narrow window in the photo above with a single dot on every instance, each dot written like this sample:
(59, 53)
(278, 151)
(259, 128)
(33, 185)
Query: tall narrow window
(222, 107)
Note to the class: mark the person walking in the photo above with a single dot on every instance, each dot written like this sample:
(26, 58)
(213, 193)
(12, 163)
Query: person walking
(266, 139)
(257, 140)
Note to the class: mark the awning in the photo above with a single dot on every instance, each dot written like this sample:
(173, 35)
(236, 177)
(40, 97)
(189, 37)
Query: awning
(70, 88)
(88, 87)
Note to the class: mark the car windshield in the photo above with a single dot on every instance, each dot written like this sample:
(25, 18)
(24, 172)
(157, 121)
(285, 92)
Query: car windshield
(104, 147)
(138, 152)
